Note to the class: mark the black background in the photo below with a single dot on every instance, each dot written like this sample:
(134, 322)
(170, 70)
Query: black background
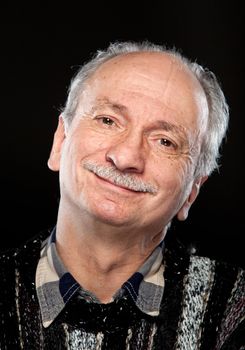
(42, 46)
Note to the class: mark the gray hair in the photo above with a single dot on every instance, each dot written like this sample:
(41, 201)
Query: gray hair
(218, 108)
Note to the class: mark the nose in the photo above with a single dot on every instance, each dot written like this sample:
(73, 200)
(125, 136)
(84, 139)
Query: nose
(127, 154)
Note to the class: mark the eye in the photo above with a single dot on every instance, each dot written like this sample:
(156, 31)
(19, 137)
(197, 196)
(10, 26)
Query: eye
(107, 124)
(107, 121)
(168, 146)
(166, 143)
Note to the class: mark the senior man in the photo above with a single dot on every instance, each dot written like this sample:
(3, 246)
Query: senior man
(138, 136)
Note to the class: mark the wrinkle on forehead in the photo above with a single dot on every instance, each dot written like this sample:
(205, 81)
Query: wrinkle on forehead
(155, 72)
(151, 78)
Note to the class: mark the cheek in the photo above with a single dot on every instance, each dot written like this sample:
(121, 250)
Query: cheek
(89, 142)
(173, 176)
(78, 147)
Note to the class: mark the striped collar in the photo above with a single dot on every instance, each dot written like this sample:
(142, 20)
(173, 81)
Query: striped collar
(55, 286)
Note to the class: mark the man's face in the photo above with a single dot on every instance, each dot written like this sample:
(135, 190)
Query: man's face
(129, 155)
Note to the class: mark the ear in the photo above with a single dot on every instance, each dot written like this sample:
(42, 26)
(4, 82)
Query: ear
(184, 210)
(55, 154)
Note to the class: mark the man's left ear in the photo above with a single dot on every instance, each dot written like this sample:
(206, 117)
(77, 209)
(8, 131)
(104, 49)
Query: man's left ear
(184, 210)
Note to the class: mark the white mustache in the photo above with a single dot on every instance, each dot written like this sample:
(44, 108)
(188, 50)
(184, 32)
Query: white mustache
(125, 180)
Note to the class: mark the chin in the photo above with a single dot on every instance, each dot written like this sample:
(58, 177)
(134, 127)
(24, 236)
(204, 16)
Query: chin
(111, 214)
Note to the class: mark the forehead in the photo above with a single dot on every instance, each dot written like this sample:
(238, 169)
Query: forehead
(151, 69)
(153, 81)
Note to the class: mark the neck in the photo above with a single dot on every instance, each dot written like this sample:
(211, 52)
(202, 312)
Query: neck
(109, 254)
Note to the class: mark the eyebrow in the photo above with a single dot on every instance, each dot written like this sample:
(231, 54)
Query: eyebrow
(167, 126)
(116, 107)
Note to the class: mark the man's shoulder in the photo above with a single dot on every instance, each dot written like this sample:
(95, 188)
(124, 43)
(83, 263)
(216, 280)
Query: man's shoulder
(180, 252)
(31, 247)
(210, 292)
(222, 268)
(222, 279)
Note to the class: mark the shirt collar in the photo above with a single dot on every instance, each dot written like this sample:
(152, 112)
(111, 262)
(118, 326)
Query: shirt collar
(55, 286)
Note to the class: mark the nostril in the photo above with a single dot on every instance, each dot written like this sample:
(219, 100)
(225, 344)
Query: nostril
(109, 158)
(132, 170)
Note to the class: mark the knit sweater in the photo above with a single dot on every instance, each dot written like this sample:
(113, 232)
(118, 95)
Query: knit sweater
(203, 307)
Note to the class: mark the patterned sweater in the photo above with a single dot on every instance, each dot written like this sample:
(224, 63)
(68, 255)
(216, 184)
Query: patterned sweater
(203, 307)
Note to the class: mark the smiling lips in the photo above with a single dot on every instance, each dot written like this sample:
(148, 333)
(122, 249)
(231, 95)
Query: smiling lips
(112, 175)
